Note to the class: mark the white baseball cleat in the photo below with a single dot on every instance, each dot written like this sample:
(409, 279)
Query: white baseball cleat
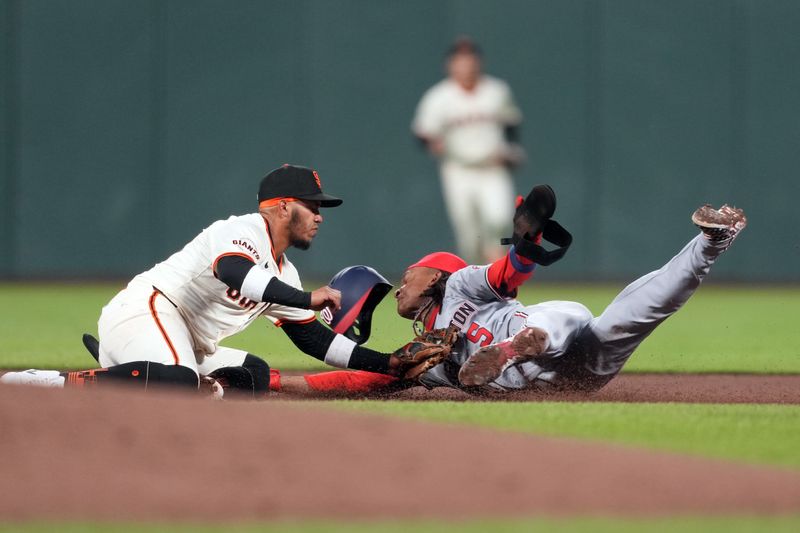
(719, 225)
(488, 363)
(38, 378)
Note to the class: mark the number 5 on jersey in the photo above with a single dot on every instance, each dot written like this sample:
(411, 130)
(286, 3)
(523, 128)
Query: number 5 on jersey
(479, 335)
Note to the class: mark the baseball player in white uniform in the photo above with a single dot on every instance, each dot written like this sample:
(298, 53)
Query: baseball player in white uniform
(469, 121)
(166, 325)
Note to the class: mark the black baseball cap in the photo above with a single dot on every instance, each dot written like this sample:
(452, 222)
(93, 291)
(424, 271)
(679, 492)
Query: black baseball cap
(292, 181)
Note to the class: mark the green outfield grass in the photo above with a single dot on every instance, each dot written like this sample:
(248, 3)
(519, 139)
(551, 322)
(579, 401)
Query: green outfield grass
(722, 329)
(596, 525)
(759, 434)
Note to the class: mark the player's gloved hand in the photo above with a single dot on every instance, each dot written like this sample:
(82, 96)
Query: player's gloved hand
(446, 336)
(533, 212)
(423, 353)
(533, 218)
(326, 297)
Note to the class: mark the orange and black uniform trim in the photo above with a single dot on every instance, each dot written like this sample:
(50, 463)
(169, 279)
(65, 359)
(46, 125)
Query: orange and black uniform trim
(278, 260)
(153, 312)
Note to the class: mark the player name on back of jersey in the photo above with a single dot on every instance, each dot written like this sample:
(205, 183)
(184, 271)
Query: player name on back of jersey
(463, 314)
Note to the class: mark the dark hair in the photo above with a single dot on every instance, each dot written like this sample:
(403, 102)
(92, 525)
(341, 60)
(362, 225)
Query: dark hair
(464, 45)
(435, 295)
(436, 291)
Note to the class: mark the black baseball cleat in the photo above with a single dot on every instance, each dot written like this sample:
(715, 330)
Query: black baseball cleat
(486, 365)
(93, 345)
(719, 225)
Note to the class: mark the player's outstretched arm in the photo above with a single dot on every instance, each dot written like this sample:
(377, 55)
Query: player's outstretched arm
(510, 271)
(316, 340)
(334, 349)
(532, 223)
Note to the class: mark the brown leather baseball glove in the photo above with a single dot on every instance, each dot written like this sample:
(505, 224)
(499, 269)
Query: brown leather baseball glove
(424, 352)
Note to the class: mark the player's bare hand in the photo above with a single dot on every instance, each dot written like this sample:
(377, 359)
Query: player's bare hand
(326, 297)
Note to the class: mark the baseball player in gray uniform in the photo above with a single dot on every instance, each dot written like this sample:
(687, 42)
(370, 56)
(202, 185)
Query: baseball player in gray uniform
(558, 345)
(506, 345)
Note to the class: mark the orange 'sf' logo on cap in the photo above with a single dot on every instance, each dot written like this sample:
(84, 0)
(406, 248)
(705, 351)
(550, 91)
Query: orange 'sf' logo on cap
(316, 178)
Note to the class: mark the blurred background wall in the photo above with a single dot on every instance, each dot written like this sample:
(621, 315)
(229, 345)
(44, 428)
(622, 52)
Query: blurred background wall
(129, 125)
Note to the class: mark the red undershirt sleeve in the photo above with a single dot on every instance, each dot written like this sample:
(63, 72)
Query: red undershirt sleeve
(510, 271)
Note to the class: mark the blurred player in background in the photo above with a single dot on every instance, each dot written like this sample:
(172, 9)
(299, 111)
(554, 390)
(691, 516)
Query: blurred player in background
(469, 121)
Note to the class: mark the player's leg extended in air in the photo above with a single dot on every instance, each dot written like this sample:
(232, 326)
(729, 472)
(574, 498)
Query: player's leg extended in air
(587, 354)
(644, 304)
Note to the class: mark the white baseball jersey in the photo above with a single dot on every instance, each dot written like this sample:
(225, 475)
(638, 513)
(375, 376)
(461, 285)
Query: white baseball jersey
(471, 123)
(211, 309)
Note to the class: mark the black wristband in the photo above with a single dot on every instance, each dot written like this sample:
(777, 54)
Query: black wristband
(312, 337)
(369, 360)
(284, 294)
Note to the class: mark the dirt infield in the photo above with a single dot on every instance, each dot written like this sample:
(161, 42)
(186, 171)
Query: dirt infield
(117, 455)
(638, 388)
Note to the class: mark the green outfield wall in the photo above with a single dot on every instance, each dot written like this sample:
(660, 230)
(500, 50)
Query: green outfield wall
(129, 125)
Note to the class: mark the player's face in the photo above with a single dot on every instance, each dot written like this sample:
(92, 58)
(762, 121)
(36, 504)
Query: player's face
(465, 69)
(304, 223)
(413, 283)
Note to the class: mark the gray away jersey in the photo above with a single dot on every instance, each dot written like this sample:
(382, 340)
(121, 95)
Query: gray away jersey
(483, 316)
(600, 345)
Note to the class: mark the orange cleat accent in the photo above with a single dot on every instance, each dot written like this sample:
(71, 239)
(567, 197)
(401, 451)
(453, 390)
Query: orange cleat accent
(274, 380)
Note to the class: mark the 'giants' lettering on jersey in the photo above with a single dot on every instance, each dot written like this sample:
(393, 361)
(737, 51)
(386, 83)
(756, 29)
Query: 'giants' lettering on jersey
(248, 246)
(463, 314)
